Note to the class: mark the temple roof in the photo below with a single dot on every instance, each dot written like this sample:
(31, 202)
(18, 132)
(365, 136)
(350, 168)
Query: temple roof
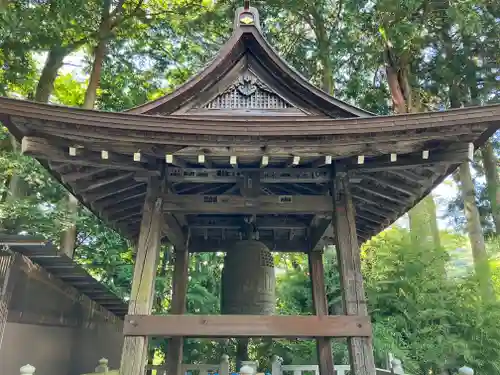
(247, 51)
(248, 141)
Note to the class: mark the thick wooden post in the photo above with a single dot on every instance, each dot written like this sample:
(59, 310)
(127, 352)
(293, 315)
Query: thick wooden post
(134, 353)
(320, 306)
(179, 293)
(353, 293)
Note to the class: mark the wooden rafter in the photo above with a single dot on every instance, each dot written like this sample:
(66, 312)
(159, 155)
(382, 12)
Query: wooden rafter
(41, 148)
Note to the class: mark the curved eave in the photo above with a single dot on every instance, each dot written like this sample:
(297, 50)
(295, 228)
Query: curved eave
(122, 134)
(163, 130)
(244, 39)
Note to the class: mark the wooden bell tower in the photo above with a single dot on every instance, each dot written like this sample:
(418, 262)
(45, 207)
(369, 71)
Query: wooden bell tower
(248, 147)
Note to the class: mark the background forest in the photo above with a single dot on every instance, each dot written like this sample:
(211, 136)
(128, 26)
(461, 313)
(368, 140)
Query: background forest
(433, 278)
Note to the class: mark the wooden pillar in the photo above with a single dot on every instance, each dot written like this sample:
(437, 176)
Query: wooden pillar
(134, 352)
(179, 293)
(353, 293)
(320, 306)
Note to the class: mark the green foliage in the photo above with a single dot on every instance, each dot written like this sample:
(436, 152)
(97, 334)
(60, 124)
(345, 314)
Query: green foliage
(428, 319)
(421, 311)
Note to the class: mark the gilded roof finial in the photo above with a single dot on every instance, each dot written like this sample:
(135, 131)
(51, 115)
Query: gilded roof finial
(246, 16)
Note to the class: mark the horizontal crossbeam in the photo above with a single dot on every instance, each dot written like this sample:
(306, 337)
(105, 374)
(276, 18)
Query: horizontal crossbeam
(223, 204)
(247, 326)
(234, 175)
(214, 222)
(199, 245)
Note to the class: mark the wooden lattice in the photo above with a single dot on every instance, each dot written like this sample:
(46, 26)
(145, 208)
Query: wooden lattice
(247, 92)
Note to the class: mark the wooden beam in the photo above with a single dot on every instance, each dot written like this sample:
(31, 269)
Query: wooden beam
(174, 232)
(233, 160)
(391, 184)
(264, 161)
(178, 306)
(321, 161)
(353, 294)
(374, 191)
(99, 183)
(408, 176)
(249, 184)
(133, 361)
(386, 205)
(114, 193)
(220, 204)
(41, 148)
(318, 232)
(200, 245)
(202, 159)
(294, 161)
(246, 326)
(232, 175)
(452, 155)
(174, 160)
(320, 308)
(84, 174)
(218, 222)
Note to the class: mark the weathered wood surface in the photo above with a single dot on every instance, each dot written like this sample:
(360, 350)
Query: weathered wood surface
(141, 298)
(382, 189)
(44, 149)
(179, 295)
(247, 326)
(236, 204)
(200, 245)
(320, 306)
(75, 121)
(353, 294)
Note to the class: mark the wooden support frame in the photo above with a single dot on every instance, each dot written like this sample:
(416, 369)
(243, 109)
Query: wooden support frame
(272, 204)
(41, 148)
(233, 175)
(454, 154)
(320, 306)
(353, 294)
(141, 299)
(179, 295)
(247, 326)
(199, 245)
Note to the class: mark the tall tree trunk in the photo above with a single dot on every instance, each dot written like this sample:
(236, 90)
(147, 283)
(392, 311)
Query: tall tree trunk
(52, 65)
(473, 219)
(324, 56)
(45, 86)
(95, 75)
(423, 219)
(68, 238)
(492, 182)
(480, 257)
(423, 223)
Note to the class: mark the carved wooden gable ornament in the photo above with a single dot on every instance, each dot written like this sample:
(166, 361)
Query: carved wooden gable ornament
(248, 92)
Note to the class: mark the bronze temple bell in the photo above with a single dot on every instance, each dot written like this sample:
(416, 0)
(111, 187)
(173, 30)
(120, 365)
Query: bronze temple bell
(248, 285)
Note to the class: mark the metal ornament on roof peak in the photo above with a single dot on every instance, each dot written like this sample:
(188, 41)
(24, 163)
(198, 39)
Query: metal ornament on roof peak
(247, 18)
(246, 4)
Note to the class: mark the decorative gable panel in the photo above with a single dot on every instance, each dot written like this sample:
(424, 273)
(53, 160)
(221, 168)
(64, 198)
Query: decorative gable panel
(248, 92)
